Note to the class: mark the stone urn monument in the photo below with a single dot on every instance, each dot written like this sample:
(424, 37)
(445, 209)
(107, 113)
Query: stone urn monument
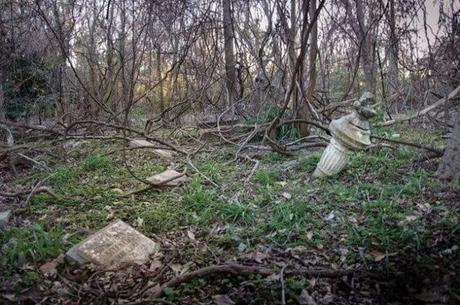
(350, 132)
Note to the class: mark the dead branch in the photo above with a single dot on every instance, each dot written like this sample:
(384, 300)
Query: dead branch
(34, 191)
(254, 168)
(432, 149)
(39, 164)
(238, 269)
(189, 162)
(424, 111)
(283, 288)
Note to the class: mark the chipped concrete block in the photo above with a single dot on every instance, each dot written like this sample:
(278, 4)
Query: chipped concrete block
(116, 244)
(160, 178)
(5, 218)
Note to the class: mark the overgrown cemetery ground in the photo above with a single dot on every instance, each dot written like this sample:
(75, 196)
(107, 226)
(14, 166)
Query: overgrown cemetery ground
(384, 231)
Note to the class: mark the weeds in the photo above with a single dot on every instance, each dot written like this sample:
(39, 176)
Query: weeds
(21, 246)
(370, 203)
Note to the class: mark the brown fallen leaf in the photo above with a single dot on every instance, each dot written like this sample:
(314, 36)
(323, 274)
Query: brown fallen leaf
(378, 256)
(309, 235)
(50, 268)
(191, 235)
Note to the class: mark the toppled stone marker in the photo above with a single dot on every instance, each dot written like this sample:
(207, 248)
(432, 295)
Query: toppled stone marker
(160, 178)
(162, 153)
(350, 132)
(4, 218)
(116, 244)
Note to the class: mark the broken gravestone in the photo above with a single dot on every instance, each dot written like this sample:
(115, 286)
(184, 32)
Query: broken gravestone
(116, 244)
(169, 177)
(162, 153)
(4, 218)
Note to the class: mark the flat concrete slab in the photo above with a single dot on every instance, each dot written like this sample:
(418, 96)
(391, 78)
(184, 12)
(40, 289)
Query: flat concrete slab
(160, 178)
(116, 244)
(162, 153)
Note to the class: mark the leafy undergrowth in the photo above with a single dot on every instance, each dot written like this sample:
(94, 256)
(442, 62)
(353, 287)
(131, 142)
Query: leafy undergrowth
(385, 215)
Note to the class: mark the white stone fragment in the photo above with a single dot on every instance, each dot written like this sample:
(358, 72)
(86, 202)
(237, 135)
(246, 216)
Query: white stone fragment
(116, 244)
(5, 218)
(141, 143)
(162, 153)
(161, 178)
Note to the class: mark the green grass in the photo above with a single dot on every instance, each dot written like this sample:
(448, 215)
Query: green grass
(265, 177)
(29, 245)
(96, 162)
(308, 163)
(371, 200)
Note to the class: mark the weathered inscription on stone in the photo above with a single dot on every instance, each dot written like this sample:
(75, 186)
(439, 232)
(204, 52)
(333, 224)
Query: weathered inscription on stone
(115, 244)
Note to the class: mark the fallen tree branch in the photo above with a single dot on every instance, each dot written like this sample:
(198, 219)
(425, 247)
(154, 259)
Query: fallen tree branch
(238, 269)
(424, 111)
(254, 168)
(432, 149)
(35, 190)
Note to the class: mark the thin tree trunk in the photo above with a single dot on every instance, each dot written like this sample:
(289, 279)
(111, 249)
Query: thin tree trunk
(229, 53)
(365, 37)
(122, 47)
(312, 74)
(159, 76)
(292, 58)
(392, 53)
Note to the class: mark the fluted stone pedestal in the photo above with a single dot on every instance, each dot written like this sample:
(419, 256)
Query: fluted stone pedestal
(350, 132)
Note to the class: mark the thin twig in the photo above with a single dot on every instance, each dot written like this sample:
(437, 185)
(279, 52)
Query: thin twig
(189, 162)
(283, 288)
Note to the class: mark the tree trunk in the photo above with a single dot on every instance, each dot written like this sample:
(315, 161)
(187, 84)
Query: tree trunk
(296, 106)
(160, 85)
(392, 53)
(366, 41)
(122, 54)
(449, 168)
(313, 53)
(229, 53)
